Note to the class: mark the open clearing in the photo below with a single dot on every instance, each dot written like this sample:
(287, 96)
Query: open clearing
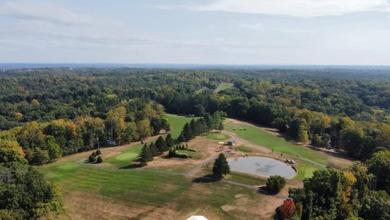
(170, 188)
(223, 86)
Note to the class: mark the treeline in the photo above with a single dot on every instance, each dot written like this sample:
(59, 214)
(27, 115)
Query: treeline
(201, 125)
(339, 109)
(127, 122)
(361, 192)
(24, 192)
(149, 151)
(49, 94)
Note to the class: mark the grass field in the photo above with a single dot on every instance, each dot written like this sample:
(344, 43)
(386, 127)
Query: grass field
(123, 159)
(223, 86)
(152, 194)
(218, 136)
(146, 194)
(258, 136)
(177, 123)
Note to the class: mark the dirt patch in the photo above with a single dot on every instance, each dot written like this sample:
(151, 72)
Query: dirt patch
(206, 148)
(227, 208)
(81, 205)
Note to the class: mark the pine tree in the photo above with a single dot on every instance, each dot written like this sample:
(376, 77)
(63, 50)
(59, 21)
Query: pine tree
(145, 155)
(221, 166)
(209, 121)
(161, 145)
(203, 125)
(220, 126)
(153, 149)
(216, 119)
(169, 141)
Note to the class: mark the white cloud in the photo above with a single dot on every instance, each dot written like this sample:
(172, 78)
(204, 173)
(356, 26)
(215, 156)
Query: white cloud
(44, 12)
(296, 8)
(253, 26)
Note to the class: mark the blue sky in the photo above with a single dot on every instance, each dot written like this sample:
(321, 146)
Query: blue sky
(331, 32)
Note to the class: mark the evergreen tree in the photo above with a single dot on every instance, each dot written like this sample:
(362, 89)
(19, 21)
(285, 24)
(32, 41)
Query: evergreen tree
(169, 141)
(221, 166)
(99, 159)
(186, 132)
(216, 120)
(153, 149)
(161, 145)
(145, 155)
(209, 121)
(220, 126)
(92, 158)
(193, 129)
(181, 137)
(203, 125)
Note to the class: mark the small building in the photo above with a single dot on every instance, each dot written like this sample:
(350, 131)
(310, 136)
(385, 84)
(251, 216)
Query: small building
(197, 217)
(231, 142)
(111, 143)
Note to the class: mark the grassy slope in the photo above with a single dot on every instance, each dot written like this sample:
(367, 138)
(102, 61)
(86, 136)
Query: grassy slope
(177, 123)
(258, 136)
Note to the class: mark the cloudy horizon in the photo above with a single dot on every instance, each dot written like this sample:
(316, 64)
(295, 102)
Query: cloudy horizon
(227, 32)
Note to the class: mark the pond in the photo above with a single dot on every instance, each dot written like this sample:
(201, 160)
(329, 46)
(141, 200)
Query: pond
(262, 166)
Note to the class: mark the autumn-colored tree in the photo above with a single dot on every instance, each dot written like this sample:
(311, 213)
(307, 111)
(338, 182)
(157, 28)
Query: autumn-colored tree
(287, 210)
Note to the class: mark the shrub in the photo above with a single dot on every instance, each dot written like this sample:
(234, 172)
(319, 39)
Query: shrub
(275, 184)
(92, 158)
(98, 152)
(99, 159)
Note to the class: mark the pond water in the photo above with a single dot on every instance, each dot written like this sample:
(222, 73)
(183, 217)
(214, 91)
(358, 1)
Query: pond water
(262, 166)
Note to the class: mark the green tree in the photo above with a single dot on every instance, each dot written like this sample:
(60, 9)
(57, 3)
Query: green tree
(169, 140)
(302, 131)
(379, 165)
(99, 159)
(221, 166)
(143, 128)
(92, 158)
(275, 184)
(8, 155)
(161, 145)
(145, 155)
(321, 195)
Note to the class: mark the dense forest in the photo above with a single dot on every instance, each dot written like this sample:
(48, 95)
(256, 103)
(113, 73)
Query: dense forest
(49, 113)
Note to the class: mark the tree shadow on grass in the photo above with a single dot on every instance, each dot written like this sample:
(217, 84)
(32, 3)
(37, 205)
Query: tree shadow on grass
(263, 190)
(206, 179)
(132, 166)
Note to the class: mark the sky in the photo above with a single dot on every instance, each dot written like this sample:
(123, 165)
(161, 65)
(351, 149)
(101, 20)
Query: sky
(229, 32)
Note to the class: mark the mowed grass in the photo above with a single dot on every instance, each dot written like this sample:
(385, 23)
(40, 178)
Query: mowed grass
(124, 159)
(218, 136)
(131, 185)
(223, 86)
(135, 188)
(257, 136)
(177, 123)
